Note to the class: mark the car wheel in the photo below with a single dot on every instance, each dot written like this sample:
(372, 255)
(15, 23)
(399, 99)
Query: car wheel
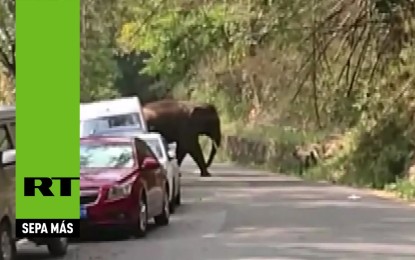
(164, 217)
(58, 246)
(141, 229)
(178, 199)
(7, 245)
(172, 203)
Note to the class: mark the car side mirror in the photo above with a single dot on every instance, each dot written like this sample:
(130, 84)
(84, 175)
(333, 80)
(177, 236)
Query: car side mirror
(171, 154)
(172, 146)
(8, 157)
(150, 164)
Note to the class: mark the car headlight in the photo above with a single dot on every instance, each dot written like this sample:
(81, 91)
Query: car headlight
(120, 191)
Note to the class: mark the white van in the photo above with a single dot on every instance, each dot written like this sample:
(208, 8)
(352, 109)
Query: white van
(113, 113)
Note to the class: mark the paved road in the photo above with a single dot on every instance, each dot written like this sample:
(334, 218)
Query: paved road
(247, 215)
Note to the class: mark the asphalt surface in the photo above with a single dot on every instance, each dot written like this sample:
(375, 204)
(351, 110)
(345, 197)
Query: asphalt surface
(243, 214)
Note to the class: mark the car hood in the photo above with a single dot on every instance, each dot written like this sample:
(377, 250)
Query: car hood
(95, 178)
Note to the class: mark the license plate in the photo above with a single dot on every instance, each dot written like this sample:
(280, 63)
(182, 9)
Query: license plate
(83, 212)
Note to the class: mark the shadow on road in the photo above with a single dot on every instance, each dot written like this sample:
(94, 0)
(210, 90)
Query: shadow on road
(99, 235)
(96, 235)
(32, 256)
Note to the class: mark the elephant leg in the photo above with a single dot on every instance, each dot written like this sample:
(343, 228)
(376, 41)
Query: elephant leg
(196, 153)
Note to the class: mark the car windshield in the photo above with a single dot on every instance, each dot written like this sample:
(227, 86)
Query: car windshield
(155, 146)
(97, 124)
(114, 155)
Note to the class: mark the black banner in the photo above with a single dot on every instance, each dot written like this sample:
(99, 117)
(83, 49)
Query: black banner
(43, 228)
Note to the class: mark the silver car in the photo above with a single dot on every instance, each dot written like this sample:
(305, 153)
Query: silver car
(167, 157)
(56, 246)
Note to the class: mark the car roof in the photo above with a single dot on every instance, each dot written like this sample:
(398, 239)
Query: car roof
(134, 131)
(149, 135)
(107, 139)
(7, 112)
(110, 107)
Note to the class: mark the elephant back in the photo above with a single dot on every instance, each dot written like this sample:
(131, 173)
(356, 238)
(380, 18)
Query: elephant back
(167, 117)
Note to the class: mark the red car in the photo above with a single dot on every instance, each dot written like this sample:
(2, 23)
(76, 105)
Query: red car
(122, 184)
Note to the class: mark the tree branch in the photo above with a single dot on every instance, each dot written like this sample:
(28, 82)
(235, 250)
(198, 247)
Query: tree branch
(8, 65)
(359, 63)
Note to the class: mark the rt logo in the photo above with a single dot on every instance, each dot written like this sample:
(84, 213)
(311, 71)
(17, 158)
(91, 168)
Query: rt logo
(43, 184)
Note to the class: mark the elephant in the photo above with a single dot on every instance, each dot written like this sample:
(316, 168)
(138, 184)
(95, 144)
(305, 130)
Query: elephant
(183, 122)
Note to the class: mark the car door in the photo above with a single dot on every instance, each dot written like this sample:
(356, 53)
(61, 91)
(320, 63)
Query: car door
(7, 176)
(159, 176)
(172, 166)
(149, 177)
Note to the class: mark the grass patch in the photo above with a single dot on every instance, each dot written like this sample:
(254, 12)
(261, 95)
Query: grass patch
(263, 147)
(340, 169)
(404, 189)
(269, 132)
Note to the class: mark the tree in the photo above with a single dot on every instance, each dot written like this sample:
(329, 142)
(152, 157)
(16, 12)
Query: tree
(101, 21)
(7, 37)
(108, 69)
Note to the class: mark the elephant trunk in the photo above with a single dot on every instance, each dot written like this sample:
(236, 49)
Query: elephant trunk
(216, 140)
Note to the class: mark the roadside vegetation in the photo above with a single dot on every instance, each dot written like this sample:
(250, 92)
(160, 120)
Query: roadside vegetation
(7, 51)
(282, 73)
